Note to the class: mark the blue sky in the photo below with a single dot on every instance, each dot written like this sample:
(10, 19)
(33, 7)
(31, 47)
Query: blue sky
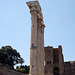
(59, 19)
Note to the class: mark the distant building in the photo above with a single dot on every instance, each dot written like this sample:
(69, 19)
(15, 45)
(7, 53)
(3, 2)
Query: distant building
(54, 62)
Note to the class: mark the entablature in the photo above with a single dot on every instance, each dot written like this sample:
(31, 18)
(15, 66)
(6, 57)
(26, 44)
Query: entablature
(35, 6)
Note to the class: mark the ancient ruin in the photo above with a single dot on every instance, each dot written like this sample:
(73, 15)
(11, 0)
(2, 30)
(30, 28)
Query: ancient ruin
(37, 39)
(45, 60)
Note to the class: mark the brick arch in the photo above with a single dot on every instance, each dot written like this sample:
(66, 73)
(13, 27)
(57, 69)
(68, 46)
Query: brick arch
(56, 71)
(1, 73)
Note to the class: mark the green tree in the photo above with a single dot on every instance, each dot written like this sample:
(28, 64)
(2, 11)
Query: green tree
(21, 61)
(23, 69)
(9, 56)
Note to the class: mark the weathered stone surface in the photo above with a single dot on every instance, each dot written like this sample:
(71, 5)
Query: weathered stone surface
(37, 39)
(54, 60)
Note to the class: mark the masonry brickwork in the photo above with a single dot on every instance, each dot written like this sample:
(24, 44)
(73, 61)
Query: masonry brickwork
(54, 62)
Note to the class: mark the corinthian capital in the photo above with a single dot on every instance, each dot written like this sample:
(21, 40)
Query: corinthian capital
(35, 6)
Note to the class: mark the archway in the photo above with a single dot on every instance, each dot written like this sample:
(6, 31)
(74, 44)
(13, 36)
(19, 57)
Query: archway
(56, 71)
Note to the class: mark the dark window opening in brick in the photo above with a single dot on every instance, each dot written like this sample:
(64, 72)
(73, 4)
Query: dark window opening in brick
(48, 62)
